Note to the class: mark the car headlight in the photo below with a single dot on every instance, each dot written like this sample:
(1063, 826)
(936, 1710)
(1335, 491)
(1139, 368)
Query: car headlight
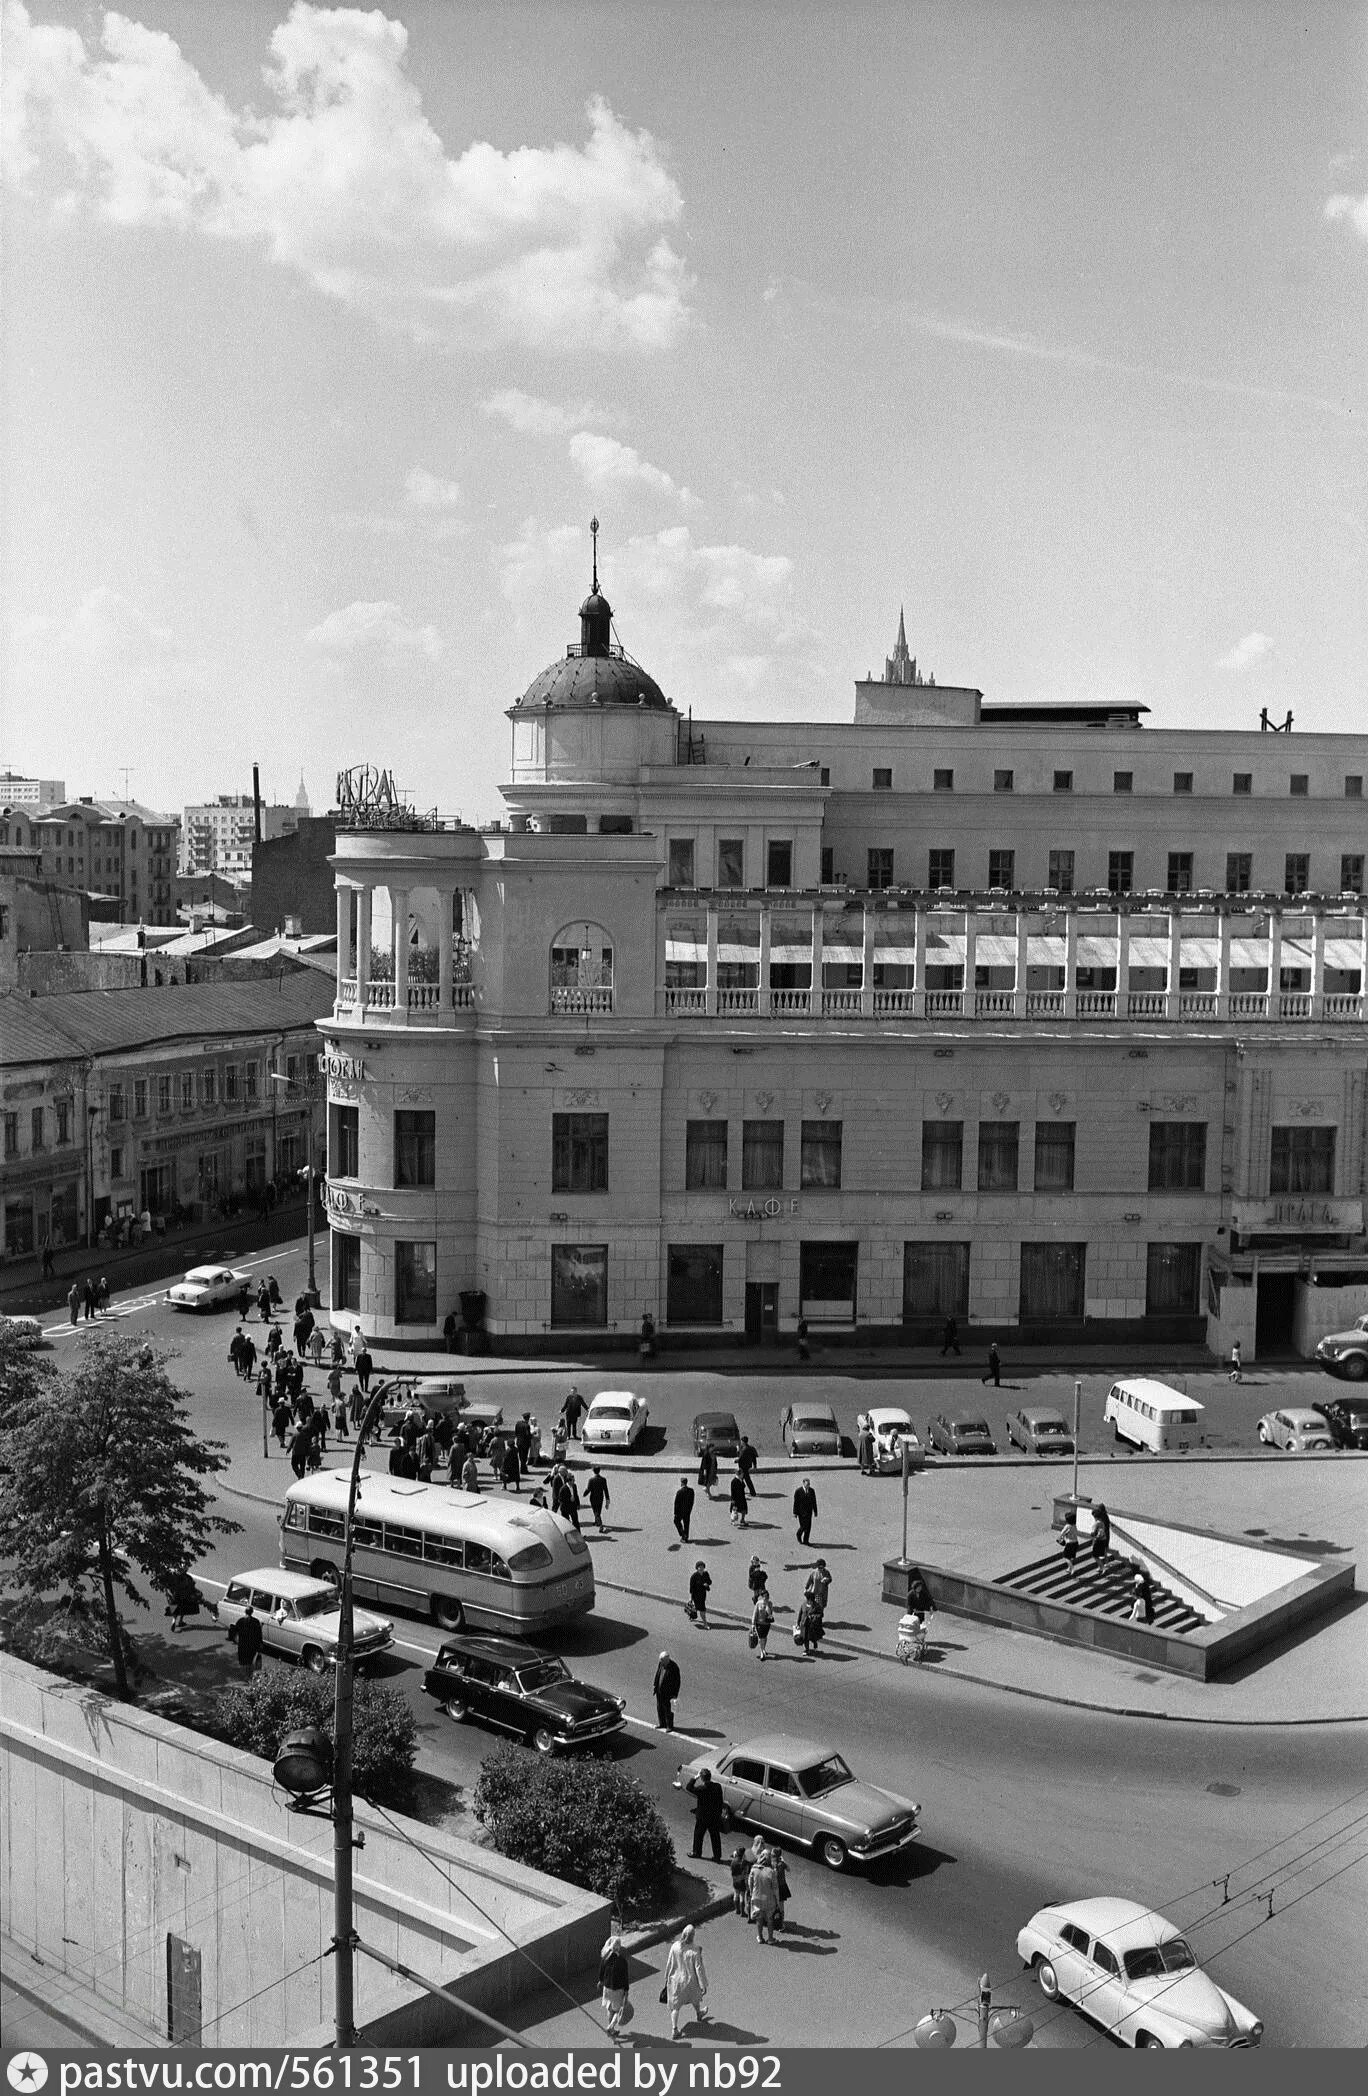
(621, 1702)
(1256, 2033)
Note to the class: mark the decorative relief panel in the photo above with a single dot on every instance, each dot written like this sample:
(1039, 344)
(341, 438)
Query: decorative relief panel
(413, 1095)
(1058, 1102)
(945, 1100)
(1307, 1109)
(580, 1096)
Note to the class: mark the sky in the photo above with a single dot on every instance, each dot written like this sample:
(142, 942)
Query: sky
(326, 331)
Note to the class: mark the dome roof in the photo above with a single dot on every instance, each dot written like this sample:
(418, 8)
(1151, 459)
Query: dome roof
(588, 680)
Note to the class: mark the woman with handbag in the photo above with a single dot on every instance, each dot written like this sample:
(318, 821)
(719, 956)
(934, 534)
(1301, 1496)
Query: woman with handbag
(686, 1980)
(762, 1622)
(614, 1979)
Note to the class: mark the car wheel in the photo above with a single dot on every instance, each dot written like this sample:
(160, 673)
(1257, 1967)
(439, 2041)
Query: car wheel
(1048, 1979)
(314, 1659)
(832, 1851)
(321, 1569)
(543, 1739)
(455, 1709)
(1264, 1436)
(1356, 1367)
(1145, 2043)
(446, 1613)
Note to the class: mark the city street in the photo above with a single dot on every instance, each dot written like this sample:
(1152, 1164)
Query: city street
(1023, 1799)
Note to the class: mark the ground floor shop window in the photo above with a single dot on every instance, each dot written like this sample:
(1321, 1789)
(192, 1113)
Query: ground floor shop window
(346, 1272)
(579, 1284)
(254, 1167)
(18, 1228)
(64, 1225)
(694, 1285)
(415, 1284)
(1052, 1277)
(826, 1281)
(289, 1155)
(1173, 1274)
(935, 1282)
(156, 1188)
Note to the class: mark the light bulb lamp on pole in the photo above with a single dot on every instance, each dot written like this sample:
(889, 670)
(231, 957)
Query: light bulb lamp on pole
(307, 1091)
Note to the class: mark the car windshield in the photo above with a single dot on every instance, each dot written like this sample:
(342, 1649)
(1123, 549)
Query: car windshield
(315, 1604)
(612, 1412)
(824, 1776)
(1156, 1959)
(543, 1673)
(1043, 1424)
(971, 1426)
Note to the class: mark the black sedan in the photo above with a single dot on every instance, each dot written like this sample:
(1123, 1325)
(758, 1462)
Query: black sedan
(964, 1434)
(1347, 1419)
(506, 1684)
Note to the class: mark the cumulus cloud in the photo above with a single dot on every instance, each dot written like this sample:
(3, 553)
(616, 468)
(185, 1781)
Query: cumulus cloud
(381, 628)
(425, 491)
(1354, 208)
(533, 417)
(346, 182)
(1245, 653)
(611, 468)
(104, 627)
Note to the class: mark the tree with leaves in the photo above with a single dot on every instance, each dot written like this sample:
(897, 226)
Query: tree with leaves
(101, 1483)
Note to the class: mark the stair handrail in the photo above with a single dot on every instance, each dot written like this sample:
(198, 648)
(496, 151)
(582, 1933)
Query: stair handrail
(1153, 1561)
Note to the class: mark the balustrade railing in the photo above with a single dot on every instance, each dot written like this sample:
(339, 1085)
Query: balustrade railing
(1294, 1004)
(1044, 1004)
(1100, 1004)
(1147, 1004)
(380, 995)
(994, 1004)
(1249, 1004)
(783, 1002)
(841, 1004)
(424, 997)
(895, 1004)
(681, 1001)
(1343, 1004)
(572, 1002)
(1197, 1004)
(731, 1002)
(944, 1004)
(346, 991)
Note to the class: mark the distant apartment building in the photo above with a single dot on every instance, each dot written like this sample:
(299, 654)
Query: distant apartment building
(120, 854)
(40, 794)
(217, 836)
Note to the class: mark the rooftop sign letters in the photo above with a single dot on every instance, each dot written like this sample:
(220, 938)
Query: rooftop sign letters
(368, 799)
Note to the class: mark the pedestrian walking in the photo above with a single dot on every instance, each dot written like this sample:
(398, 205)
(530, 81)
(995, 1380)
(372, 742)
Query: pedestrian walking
(1142, 1587)
(263, 1302)
(364, 1365)
(1068, 1539)
(950, 1337)
(280, 1421)
(866, 1450)
(748, 1462)
(597, 1493)
(1236, 1362)
(264, 1384)
(699, 1584)
(708, 1810)
(811, 1625)
(470, 1474)
(994, 1368)
(182, 1601)
(614, 1978)
(818, 1586)
(303, 1328)
(46, 1263)
(338, 1350)
(102, 1294)
(300, 1442)
(683, 1509)
(339, 1420)
(763, 1893)
(805, 1510)
(740, 1877)
(248, 1355)
(736, 1492)
(762, 1623)
(510, 1470)
(246, 1635)
(1100, 1541)
(801, 1334)
(316, 1346)
(88, 1297)
(707, 1469)
(757, 1579)
(665, 1688)
(686, 1980)
(522, 1437)
(335, 1385)
(273, 1343)
(244, 1301)
(74, 1300)
(572, 1411)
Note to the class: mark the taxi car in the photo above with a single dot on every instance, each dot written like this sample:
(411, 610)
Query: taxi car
(1296, 1428)
(1132, 1971)
(891, 1428)
(300, 1617)
(615, 1419)
(207, 1288)
(804, 1791)
(507, 1684)
(809, 1428)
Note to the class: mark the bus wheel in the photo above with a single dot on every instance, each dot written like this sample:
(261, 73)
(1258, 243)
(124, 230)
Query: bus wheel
(321, 1569)
(543, 1739)
(447, 1614)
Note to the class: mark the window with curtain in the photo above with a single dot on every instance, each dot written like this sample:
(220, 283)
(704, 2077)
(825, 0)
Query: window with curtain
(826, 1280)
(579, 1153)
(705, 1155)
(1172, 1279)
(1054, 1156)
(415, 1284)
(579, 1284)
(762, 1156)
(1303, 1161)
(942, 1156)
(1052, 1277)
(998, 1145)
(346, 1288)
(821, 1158)
(1177, 1156)
(345, 1147)
(415, 1147)
(693, 1294)
(935, 1282)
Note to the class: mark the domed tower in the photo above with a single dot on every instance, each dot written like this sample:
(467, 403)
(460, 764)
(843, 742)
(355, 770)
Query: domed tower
(591, 719)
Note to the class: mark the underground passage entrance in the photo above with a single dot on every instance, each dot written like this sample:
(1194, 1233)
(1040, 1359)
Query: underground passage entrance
(1273, 1321)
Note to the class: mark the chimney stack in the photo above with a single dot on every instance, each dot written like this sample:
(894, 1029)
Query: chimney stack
(256, 804)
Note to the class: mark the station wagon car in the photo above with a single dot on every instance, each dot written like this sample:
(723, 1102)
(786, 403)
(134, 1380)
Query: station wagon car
(804, 1792)
(1296, 1428)
(891, 1427)
(965, 1435)
(1039, 1431)
(615, 1419)
(1131, 1971)
(207, 1288)
(715, 1430)
(809, 1429)
(506, 1684)
(300, 1617)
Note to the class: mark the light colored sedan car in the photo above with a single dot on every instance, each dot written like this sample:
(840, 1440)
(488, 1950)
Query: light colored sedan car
(615, 1419)
(1131, 1971)
(207, 1288)
(1039, 1431)
(300, 1617)
(891, 1427)
(804, 1792)
(434, 1396)
(1296, 1428)
(809, 1429)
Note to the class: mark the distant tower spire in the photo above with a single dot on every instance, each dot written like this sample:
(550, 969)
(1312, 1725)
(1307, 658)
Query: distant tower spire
(593, 526)
(596, 613)
(900, 667)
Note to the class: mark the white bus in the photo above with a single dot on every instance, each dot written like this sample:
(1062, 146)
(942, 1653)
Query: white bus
(455, 1557)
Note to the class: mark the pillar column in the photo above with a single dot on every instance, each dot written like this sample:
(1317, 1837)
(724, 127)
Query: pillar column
(1175, 950)
(344, 935)
(1223, 968)
(446, 929)
(815, 997)
(363, 946)
(1318, 965)
(867, 924)
(399, 902)
(1022, 964)
(919, 964)
(1275, 964)
(1363, 964)
(1071, 964)
(662, 958)
(762, 995)
(968, 1003)
(1122, 963)
(710, 994)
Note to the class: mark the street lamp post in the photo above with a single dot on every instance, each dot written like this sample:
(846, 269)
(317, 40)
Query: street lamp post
(92, 1115)
(308, 1095)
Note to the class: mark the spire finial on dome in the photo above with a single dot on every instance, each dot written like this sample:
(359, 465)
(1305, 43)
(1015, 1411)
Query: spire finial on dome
(593, 526)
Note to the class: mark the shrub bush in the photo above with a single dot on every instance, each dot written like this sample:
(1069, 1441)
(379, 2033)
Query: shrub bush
(583, 1820)
(257, 1717)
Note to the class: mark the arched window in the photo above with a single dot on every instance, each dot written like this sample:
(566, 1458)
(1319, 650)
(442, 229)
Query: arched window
(582, 969)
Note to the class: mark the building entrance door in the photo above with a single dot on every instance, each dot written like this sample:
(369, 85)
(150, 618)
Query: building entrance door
(762, 1311)
(1274, 1315)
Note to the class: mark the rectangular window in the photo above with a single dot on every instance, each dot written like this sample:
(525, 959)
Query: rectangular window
(1002, 869)
(579, 1284)
(828, 865)
(346, 1274)
(942, 781)
(1052, 1277)
(187, 1091)
(1063, 782)
(415, 1284)
(826, 1281)
(116, 1161)
(1298, 785)
(693, 1285)
(1062, 871)
(1296, 873)
(579, 1153)
(1004, 781)
(210, 1081)
(731, 862)
(1179, 873)
(230, 1084)
(935, 1282)
(344, 1146)
(762, 1156)
(681, 862)
(1239, 872)
(779, 862)
(292, 1071)
(1242, 782)
(824, 774)
(1173, 1275)
(942, 1156)
(881, 866)
(883, 778)
(1120, 872)
(415, 1146)
(998, 1145)
(63, 1112)
(940, 866)
(116, 1102)
(1182, 782)
(1353, 785)
(1122, 781)
(1303, 1161)
(36, 1131)
(705, 1155)
(1351, 873)
(1054, 1156)
(1177, 1156)
(821, 1154)
(252, 1076)
(163, 1095)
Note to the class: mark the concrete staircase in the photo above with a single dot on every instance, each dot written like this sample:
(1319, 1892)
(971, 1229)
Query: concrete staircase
(1106, 1588)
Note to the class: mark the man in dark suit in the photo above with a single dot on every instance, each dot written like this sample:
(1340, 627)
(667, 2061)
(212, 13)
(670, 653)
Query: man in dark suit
(666, 1686)
(805, 1510)
(683, 1509)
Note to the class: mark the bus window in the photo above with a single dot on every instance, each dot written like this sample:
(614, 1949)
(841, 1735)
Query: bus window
(444, 1550)
(367, 1535)
(404, 1542)
(324, 1522)
(296, 1515)
(478, 1558)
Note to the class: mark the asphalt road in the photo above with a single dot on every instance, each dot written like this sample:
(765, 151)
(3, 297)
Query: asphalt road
(1022, 1801)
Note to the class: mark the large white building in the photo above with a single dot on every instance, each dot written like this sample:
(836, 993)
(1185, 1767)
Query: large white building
(217, 836)
(1037, 1017)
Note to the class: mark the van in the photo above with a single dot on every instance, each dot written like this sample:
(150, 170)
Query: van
(1151, 1415)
